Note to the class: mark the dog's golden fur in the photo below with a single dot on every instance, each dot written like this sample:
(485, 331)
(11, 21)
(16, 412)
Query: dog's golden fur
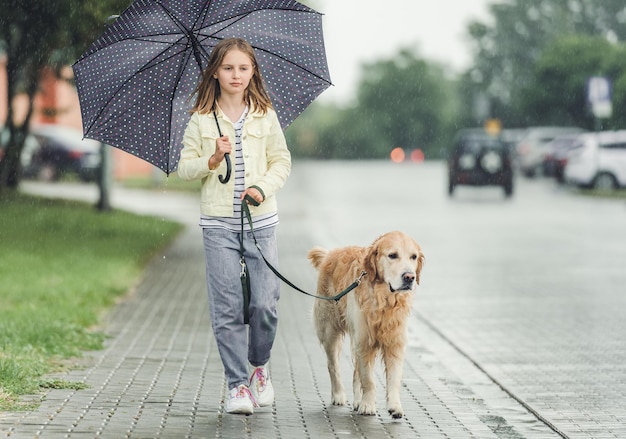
(374, 314)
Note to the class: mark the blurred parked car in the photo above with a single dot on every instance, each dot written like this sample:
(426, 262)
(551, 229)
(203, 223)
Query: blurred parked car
(480, 159)
(532, 148)
(511, 137)
(31, 144)
(63, 150)
(556, 156)
(599, 161)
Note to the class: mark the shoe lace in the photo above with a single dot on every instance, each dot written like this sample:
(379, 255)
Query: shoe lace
(261, 378)
(243, 392)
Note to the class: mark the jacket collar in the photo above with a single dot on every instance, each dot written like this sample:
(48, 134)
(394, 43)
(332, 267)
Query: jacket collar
(252, 113)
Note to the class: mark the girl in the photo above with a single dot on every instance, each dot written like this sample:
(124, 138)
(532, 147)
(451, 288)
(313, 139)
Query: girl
(232, 94)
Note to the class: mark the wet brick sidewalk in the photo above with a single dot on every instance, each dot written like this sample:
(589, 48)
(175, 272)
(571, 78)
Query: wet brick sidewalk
(160, 375)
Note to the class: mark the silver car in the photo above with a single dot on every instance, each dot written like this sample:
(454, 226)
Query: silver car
(533, 147)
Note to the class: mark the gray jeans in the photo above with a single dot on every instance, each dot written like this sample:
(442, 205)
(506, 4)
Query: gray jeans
(237, 342)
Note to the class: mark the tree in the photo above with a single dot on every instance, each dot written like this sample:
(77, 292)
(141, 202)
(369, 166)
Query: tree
(507, 50)
(401, 102)
(304, 135)
(617, 73)
(556, 93)
(54, 32)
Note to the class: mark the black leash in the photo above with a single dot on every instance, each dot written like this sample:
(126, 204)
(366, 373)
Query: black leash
(245, 210)
(244, 276)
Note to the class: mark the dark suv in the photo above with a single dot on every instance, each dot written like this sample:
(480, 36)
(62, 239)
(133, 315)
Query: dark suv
(480, 159)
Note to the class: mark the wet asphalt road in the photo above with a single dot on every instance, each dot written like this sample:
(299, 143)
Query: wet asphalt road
(531, 290)
(521, 311)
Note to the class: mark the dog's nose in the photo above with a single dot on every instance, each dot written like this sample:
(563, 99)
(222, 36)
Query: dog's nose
(408, 277)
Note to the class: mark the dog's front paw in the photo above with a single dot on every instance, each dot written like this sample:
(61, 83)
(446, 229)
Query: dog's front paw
(366, 409)
(395, 411)
(339, 399)
(367, 406)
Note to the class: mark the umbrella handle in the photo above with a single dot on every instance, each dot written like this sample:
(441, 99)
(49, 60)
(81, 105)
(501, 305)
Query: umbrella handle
(224, 179)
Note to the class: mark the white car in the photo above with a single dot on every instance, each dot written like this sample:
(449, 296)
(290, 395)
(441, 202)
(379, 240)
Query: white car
(599, 161)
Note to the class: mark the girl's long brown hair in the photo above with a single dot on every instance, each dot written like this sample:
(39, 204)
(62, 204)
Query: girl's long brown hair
(208, 90)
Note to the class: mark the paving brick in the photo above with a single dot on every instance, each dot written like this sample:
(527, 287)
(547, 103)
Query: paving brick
(160, 374)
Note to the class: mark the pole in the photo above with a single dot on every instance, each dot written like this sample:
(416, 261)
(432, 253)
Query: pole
(597, 124)
(104, 178)
(104, 173)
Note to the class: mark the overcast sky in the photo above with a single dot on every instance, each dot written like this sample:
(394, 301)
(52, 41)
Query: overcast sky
(357, 31)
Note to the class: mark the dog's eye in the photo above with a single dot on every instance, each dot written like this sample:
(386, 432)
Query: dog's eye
(393, 255)
(414, 257)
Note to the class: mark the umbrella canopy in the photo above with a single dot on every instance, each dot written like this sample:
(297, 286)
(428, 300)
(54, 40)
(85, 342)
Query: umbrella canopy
(135, 82)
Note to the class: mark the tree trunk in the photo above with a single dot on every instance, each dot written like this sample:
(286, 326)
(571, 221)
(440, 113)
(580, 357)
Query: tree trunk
(10, 166)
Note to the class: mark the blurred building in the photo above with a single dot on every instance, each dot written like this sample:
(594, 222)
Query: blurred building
(57, 103)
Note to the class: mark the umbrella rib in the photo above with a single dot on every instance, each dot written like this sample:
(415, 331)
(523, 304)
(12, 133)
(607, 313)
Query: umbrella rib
(188, 33)
(244, 15)
(178, 78)
(147, 38)
(296, 65)
(190, 37)
(277, 56)
(174, 18)
(142, 69)
(204, 14)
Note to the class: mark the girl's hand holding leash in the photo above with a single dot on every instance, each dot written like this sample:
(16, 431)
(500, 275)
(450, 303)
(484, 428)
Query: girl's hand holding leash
(254, 193)
(222, 147)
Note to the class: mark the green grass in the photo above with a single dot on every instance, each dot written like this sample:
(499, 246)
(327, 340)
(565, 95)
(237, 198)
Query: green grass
(618, 194)
(62, 264)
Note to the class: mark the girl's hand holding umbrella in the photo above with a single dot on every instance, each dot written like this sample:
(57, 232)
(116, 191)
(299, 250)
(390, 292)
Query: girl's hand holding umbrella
(223, 147)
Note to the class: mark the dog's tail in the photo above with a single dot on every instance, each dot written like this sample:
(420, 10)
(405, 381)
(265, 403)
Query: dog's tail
(317, 255)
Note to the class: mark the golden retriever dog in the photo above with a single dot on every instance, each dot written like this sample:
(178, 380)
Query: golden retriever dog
(374, 314)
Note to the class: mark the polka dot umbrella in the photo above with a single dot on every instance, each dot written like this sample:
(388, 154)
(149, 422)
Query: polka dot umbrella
(136, 80)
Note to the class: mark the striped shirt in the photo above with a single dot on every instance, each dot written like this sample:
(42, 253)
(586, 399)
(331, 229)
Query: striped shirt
(234, 223)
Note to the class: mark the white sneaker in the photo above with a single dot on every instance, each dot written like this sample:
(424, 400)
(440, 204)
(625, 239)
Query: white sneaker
(240, 401)
(261, 387)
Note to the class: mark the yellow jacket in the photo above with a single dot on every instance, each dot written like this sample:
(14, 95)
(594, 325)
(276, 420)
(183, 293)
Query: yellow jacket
(265, 154)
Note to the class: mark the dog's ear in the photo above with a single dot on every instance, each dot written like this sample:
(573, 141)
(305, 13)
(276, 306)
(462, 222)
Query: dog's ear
(371, 262)
(420, 264)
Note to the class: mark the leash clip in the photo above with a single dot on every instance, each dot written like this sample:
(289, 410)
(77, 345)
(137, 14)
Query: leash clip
(242, 262)
(361, 276)
(355, 284)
